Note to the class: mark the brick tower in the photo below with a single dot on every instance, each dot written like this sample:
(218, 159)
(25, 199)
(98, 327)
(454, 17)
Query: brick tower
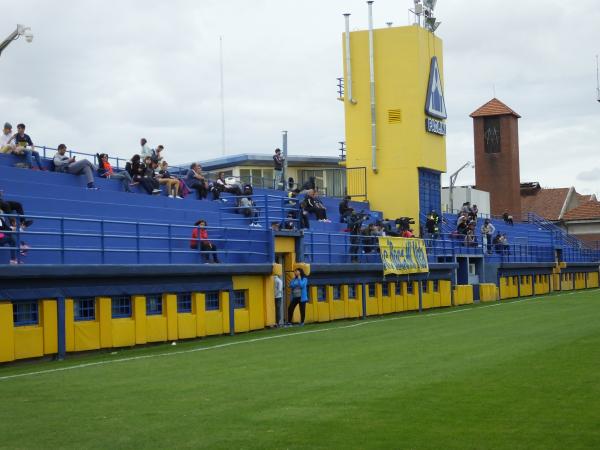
(496, 132)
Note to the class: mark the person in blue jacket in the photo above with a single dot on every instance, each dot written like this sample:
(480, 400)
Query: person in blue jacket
(299, 290)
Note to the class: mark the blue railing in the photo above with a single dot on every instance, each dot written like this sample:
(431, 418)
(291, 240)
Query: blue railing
(266, 210)
(69, 240)
(352, 248)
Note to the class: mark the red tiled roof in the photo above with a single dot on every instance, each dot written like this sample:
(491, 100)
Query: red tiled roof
(586, 211)
(546, 203)
(494, 108)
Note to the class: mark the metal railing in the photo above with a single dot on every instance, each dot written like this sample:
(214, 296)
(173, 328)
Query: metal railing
(265, 210)
(106, 241)
(347, 248)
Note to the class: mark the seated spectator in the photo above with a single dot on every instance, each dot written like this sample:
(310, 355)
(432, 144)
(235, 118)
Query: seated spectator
(195, 180)
(462, 224)
(508, 219)
(314, 205)
(105, 170)
(24, 146)
(501, 244)
(466, 208)
(248, 208)
(137, 170)
(345, 210)
(289, 223)
(275, 226)
(62, 163)
(200, 235)
(172, 183)
(152, 153)
(408, 233)
(5, 139)
(151, 175)
(12, 207)
(222, 186)
(470, 239)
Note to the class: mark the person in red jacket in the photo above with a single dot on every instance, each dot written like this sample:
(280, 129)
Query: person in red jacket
(200, 234)
(105, 170)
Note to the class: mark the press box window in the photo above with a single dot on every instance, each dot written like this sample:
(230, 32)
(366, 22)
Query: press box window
(121, 307)
(321, 295)
(239, 299)
(154, 305)
(25, 313)
(184, 302)
(212, 302)
(85, 308)
(351, 291)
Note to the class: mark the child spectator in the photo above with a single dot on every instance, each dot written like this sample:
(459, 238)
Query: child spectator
(172, 183)
(105, 170)
(62, 163)
(200, 234)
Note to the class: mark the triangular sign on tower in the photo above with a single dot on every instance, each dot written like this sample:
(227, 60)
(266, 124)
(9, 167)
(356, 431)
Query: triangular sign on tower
(435, 105)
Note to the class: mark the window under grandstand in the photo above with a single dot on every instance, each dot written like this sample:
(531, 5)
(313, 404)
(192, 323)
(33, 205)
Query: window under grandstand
(239, 298)
(372, 290)
(385, 289)
(351, 291)
(84, 308)
(321, 294)
(25, 313)
(337, 292)
(398, 288)
(121, 307)
(212, 301)
(184, 302)
(154, 305)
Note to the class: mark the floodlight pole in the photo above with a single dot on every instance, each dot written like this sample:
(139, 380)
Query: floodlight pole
(20, 31)
(453, 178)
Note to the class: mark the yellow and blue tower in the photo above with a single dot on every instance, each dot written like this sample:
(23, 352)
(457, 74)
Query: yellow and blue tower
(395, 117)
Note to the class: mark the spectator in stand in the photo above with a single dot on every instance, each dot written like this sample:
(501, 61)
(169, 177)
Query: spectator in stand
(147, 151)
(151, 174)
(195, 180)
(314, 205)
(137, 170)
(24, 146)
(289, 223)
(501, 244)
(12, 207)
(5, 139)
(247, 208)
(299, 289)
(105, 170)
(487, 233)
(462, 224)
(408, 233)
(221, 185)
(291, 183)
(345, 210)
(172, 183)
(7, 238)
(275, 226)
(200, 235)
(470, 239)
(508, 219)
(466, 208)
(62, 163)
(474, 212)
(278, 293)
(278, 161)
(432, 225)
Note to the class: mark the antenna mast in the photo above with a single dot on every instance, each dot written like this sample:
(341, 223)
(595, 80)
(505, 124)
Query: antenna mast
(597, 80)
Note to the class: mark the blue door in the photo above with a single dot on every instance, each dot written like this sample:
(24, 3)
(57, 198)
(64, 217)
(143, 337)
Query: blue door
(429, 191)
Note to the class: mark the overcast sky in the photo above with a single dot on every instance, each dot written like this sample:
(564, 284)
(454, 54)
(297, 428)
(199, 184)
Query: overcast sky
(99, 75)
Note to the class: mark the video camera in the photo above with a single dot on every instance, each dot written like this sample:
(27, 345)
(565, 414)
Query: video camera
(355, 220)
(404, 223)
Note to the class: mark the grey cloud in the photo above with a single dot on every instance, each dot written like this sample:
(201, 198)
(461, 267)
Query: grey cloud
(590, 175)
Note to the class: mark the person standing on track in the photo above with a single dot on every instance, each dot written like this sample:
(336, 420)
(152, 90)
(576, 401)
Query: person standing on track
(299, 295)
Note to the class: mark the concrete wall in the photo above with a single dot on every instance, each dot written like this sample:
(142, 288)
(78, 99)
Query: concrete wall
(464, 194)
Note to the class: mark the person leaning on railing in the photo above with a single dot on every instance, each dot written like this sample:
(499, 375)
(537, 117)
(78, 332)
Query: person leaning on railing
(105, 170)
(12, 207)
(200, 239)
(7, 238)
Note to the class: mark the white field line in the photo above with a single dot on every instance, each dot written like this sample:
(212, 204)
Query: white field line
(279, 336)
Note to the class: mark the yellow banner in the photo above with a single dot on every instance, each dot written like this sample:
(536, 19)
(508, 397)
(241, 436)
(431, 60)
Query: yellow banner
(401, 256)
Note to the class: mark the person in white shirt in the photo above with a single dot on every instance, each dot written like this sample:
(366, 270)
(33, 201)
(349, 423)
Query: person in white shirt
(152, 153)
(5, 138)
(278, 300)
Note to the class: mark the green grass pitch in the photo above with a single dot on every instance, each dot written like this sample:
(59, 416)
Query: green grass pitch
(515, 375)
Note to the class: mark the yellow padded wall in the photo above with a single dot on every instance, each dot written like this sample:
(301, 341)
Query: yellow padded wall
(7, 341)
(50, 318)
